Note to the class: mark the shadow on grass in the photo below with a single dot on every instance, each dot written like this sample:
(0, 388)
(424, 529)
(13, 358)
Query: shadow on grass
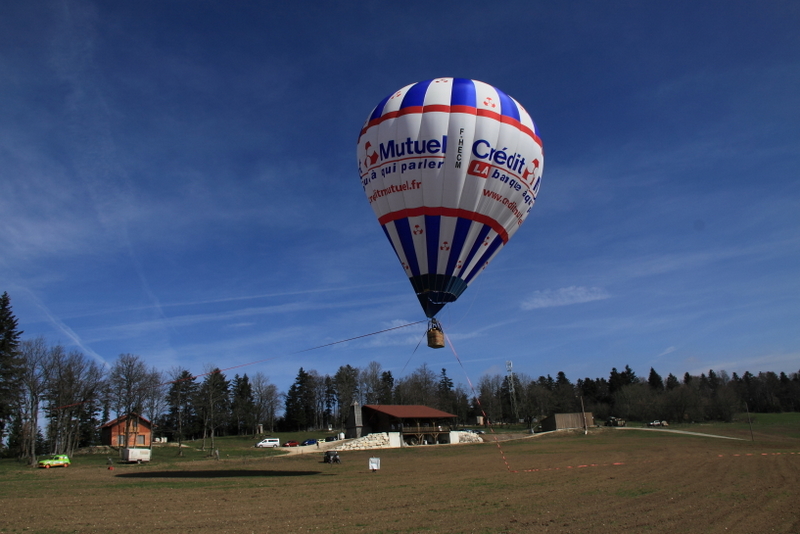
(225, 473)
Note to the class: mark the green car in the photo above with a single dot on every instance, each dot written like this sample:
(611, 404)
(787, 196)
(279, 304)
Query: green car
(57, 460)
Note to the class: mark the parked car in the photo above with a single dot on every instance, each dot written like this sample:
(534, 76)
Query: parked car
(291, 444)
(269, 442)
(56, 460)
(615, 421)
(657, 423)
(307, 442)
(331, 438)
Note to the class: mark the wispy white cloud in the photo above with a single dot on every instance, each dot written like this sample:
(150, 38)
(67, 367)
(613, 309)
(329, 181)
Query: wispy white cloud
(69, 332)
(226, 318)
(666, 351)
(563, 297)
(753, 363)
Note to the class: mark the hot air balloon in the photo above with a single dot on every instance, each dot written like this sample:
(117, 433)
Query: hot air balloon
(451, 167)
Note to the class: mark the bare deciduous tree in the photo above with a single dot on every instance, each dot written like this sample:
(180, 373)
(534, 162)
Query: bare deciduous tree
(369, 380)
(34, 354)
(75, 385)
(267, 400)
(129, 384)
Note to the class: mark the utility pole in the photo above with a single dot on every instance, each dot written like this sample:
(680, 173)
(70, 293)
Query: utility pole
(583, 413)
(512, 392)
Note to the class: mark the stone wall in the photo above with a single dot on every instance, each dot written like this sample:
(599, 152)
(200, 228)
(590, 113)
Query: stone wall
(469, 437)
(381, 440)
(372, 441)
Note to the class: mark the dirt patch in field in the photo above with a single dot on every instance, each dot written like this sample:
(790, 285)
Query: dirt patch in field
(561, 483)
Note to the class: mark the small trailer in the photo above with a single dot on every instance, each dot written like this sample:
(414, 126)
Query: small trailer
(135, 455)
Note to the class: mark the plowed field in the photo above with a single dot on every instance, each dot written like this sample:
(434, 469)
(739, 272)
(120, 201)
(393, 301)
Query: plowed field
(608, 481)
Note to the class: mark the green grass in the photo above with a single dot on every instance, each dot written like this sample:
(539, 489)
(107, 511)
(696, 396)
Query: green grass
(786, 425)
(230, 447)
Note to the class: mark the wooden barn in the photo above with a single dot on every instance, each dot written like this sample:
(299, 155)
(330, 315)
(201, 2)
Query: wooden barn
(140, 432)
(563, 421)
(416, 423)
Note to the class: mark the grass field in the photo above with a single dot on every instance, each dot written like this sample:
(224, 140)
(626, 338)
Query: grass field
(607, 481)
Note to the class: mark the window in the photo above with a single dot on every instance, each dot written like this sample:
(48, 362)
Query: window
(120, 440)
(140, 439)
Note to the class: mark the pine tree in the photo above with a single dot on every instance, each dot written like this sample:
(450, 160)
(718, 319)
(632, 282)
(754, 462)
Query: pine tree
(444, 392)
(242, 407)
(386, 394)
(655, 381)
(672, 382)
(346, 383)
(214, 401)
(10, 362)
(299, 411)
(180, 399)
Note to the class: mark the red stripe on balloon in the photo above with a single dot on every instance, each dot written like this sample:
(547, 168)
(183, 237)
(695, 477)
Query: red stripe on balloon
(411, 110)
(446, 212)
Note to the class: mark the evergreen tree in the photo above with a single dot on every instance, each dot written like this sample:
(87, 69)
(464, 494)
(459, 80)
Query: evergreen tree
(213, 400)
(181, 413)
(655, 381)
(299, 411)
(672, 382)
(713, 381)
(564, 395)
(628, 376)
(10, 362)
(242, 407)
(547, 383)
(444, 392)
(15, 444)
(386, 392)
(346, 383)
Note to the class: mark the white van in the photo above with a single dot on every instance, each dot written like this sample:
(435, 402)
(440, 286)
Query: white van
(269, 442)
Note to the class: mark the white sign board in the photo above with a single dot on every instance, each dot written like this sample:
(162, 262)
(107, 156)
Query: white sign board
(374, 464)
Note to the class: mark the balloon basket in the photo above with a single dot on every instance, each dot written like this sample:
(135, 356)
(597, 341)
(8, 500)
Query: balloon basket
(435, 339)
(435, 335)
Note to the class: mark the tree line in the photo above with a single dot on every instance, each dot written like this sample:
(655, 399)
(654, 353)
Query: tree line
(715, 396)
(314, 401)
(74, 396)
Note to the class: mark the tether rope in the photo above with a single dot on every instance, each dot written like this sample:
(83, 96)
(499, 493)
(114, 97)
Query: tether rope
(478, 401)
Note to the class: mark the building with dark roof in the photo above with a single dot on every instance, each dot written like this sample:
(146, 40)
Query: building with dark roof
(416, 424)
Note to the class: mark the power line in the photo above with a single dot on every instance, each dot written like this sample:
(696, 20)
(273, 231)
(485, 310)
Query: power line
(193, 377)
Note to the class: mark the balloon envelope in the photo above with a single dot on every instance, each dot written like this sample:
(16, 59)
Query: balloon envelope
(451, 167)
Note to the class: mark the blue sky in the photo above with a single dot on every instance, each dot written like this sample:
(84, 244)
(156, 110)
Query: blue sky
(178, 180)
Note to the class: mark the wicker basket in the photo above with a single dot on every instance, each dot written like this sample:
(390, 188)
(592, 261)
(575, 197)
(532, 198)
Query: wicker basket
(435, 338)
